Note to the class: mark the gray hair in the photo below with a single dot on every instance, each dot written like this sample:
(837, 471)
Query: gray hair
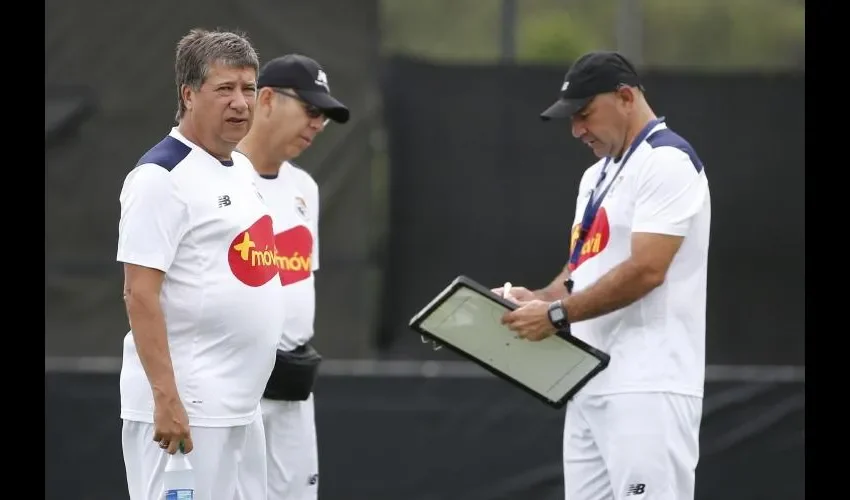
(200, 48)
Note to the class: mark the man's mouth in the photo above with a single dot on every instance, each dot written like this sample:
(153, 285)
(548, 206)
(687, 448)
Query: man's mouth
(237, 121)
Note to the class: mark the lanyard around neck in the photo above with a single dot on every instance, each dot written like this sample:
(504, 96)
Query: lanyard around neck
(594, 202)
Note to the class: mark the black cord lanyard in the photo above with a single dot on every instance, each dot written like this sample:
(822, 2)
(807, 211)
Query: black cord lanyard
(593, 205)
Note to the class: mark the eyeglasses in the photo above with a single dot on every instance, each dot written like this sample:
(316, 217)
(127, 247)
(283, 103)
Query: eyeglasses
(312, 111)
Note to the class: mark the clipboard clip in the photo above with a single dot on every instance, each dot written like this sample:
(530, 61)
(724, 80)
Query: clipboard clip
(433, 343)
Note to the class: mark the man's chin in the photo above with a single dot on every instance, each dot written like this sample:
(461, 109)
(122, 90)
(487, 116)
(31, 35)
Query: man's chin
(294, 151)
(600, 152)
(233, 137)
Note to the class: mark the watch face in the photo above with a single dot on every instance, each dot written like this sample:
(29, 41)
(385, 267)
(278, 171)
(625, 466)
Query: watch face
(557, 314)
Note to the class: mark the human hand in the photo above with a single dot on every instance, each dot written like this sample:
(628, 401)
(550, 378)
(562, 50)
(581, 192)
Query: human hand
(530, 321)
(171, 425)
(515, 294)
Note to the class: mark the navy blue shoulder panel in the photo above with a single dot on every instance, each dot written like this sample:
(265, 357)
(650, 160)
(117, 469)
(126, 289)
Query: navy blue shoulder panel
(666, 137)
(167, 154)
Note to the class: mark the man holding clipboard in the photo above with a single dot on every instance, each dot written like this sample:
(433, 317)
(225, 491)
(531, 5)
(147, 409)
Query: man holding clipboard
(638, 265)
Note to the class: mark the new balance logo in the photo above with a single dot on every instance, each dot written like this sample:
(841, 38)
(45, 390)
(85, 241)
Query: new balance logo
(223, 201)
(322, 79)
(636, 489)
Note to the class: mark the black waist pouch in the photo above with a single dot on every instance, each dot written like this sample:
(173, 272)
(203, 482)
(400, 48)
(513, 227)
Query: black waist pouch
(294, 374)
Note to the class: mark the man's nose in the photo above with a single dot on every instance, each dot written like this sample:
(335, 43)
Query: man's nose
(239, 101)
(578, 128)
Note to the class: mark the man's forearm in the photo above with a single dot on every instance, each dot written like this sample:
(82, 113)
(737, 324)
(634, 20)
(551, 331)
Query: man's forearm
(556, 289)
(618, 288)
(148, 326)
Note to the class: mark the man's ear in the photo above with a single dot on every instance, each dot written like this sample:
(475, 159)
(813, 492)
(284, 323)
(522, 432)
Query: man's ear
(188, 95)
(265, 98)
(627, 94)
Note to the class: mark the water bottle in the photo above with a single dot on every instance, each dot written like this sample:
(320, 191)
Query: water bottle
(179, 478)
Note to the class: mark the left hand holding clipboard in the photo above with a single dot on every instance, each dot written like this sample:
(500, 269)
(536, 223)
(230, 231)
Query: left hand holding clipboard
(530, 320)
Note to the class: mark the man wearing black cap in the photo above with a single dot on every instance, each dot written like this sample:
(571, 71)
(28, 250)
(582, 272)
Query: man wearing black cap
(294, 104)
(634, 286)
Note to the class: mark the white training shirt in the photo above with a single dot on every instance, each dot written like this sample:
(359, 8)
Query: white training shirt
(203, 223)
(657, 344)
(293, 197)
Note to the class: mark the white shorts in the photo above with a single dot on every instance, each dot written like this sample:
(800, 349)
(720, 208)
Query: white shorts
(229, 462)
(291, 449)
(642, 446)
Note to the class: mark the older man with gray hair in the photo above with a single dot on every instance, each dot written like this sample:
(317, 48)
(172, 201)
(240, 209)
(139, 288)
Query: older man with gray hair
(201, 286)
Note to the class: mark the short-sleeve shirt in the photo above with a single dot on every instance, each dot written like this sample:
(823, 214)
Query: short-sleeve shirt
(203, 223)
(293, 197)
(657, 344)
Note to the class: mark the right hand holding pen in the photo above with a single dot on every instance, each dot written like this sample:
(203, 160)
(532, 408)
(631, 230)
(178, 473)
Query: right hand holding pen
(515, 293)
(171, 425)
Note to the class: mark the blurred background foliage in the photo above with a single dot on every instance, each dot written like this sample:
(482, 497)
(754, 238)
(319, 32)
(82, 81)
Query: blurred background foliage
(713, 35)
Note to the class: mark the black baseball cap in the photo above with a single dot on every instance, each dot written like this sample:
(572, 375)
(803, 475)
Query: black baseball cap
(592, 74)
(307, 78)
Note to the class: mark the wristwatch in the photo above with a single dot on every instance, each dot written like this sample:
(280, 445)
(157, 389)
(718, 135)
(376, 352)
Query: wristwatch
(558, 316)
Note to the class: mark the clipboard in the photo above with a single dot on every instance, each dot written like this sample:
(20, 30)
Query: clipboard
(466, 318)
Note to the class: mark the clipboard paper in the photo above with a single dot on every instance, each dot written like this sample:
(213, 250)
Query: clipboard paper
(466, 318)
